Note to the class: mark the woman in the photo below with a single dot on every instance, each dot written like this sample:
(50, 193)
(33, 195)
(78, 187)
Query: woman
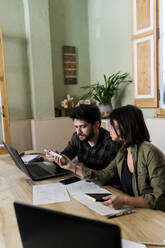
(139, 165)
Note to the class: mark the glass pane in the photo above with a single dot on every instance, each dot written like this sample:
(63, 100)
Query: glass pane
(162, 55)
(1, 128)
(163, 47)
(163, 15)
(162, 98)
(1, 122)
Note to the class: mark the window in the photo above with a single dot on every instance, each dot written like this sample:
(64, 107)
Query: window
(144, 51)
(162, 54)
(148, 49)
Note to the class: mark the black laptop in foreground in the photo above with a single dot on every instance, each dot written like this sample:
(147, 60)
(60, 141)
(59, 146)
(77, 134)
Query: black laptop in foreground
(43, 228)
(35, 170)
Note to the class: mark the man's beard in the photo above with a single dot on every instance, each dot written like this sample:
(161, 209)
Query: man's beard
(87, 137)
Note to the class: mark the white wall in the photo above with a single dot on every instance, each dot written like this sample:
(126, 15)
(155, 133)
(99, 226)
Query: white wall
(40, 134)
(21, 137)
(156, 128)
(54, 133)
(58, 131)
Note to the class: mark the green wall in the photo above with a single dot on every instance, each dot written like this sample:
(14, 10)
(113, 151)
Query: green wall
(110, 43)
(40, 58)
(27, 55)
(110, 40)
(33, 36)
(69, 26)
(16, 61)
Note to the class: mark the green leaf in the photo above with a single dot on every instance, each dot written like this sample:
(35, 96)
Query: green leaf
(103, 93)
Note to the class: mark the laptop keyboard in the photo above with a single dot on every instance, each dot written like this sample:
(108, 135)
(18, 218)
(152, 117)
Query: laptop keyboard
(36, 170)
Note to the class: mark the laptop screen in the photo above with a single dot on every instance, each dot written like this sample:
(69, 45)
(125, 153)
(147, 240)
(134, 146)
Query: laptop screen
(42, 228)
(16, 157)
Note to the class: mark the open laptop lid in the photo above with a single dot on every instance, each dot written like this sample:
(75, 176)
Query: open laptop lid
(40, 227)
(57, 171)
(17, 158)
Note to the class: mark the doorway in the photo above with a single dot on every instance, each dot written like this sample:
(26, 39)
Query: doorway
(4, 116)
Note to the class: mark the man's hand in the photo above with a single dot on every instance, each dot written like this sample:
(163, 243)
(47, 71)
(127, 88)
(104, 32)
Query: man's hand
(49, 156)
(68, 165)
(80, 164)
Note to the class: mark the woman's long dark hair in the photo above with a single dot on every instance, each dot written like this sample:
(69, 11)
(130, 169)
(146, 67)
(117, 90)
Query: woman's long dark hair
(131, 125)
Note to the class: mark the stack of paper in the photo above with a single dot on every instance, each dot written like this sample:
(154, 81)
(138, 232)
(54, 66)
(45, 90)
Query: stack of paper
(57, 192)
(49, 193)
(131, 244)
(27, 158)
(77, 191)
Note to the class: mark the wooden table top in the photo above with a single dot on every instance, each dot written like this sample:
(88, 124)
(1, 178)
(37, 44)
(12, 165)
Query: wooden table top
(145, 225)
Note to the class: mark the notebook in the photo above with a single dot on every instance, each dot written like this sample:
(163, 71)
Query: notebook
(40, 227)
(35, 170)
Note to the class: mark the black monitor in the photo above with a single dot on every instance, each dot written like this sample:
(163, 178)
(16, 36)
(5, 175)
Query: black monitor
(43, 228)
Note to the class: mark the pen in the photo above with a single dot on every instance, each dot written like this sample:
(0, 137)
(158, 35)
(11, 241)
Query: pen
(153, 244)
(34, 153)
(121, 214)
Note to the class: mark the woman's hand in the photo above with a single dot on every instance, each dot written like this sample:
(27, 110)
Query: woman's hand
(115, 201)
(80, 164)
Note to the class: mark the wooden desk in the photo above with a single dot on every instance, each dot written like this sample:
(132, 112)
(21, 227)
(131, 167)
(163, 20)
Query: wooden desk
(144, 225)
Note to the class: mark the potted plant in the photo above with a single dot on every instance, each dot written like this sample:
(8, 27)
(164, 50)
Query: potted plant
(103, 93)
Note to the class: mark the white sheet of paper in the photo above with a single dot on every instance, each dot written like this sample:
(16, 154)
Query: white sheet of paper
(95, 206)
(131, 244)
(49, 193)
(84, 187)
(29, 157)
(77, 191)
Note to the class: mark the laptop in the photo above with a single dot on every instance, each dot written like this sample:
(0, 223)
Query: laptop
(35, 170)
(43, 228)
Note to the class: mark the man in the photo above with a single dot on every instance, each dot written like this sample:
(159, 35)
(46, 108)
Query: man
(91, 143)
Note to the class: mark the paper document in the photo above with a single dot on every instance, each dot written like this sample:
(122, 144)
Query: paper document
(95, 206)
(49, 193)
(84, 187)
(77, 191)
(28, 158)
(131, 244)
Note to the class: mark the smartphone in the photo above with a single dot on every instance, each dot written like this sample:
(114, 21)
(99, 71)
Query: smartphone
(55, 154)
(59, 156)
(70, 180)
(97, 196)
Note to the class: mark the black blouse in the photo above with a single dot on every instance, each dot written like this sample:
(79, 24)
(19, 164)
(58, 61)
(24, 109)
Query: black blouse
(126, 178)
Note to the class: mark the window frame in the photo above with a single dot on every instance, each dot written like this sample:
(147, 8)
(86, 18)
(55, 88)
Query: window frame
(144, 34)
(160, 112)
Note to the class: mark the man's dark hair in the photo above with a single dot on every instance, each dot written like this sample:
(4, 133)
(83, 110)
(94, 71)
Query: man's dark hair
(87, 112)
(131, 125)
